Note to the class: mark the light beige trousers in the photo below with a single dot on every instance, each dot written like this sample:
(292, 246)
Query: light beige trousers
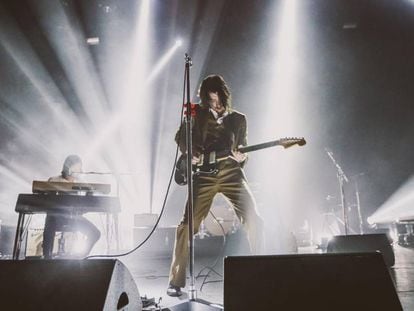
(231, 182)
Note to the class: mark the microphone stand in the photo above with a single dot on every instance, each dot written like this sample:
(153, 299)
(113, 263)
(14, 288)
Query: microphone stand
(341, 179)
(193, 303)
(190, 178)
(358, 201)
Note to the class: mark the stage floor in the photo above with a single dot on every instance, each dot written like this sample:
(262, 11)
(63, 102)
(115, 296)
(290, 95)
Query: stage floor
(151, 277)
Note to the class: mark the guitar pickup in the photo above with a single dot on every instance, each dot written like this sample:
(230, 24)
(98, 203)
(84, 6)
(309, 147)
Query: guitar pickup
(212, 157)
(201, 160)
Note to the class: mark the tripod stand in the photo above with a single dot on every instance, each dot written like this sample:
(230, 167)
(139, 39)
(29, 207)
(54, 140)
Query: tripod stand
(193, 303)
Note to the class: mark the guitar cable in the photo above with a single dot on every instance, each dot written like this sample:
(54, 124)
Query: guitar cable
(165, 196)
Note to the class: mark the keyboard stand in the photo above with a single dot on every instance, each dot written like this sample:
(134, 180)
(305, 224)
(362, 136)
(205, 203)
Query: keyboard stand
(66, 204)
(19, 236)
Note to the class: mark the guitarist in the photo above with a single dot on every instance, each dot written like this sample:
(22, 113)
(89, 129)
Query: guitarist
(217, 127)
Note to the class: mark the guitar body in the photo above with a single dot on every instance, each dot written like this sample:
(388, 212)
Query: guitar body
(180, 174)
(208, 163)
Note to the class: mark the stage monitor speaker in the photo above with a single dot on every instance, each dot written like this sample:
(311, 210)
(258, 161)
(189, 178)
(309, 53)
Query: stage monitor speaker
(358, 281)
(363, 243)
(67, 285)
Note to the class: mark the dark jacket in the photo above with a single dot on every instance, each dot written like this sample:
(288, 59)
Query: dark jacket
(235, 124)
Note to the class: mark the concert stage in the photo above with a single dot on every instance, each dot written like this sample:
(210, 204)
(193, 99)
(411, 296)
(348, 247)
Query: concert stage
(149, 269)
(93, 99)
(151, 277)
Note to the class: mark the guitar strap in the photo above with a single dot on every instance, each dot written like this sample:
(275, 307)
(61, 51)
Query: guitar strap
(203, 123)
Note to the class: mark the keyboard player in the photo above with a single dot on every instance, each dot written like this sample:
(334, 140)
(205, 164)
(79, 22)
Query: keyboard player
(58, 222)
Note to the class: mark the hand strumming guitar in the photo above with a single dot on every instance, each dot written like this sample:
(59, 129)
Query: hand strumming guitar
(195, 160)
(238, 156)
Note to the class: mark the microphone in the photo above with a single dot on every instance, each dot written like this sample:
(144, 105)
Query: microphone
(338, 167)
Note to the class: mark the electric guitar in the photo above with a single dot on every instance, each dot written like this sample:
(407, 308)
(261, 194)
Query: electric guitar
(207, 164)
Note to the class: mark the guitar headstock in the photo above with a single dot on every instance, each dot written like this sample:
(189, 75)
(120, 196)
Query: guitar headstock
(291, 141)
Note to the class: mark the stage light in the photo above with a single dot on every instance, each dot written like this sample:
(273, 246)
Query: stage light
(397, 207)
(92, 41)
(350, 26)
(179, 42)
(107, 9)
(280, 117)
(79, 244)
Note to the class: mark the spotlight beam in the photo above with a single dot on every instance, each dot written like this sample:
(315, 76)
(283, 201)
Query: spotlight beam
(14, 176)
(117, 120)
(163, 61)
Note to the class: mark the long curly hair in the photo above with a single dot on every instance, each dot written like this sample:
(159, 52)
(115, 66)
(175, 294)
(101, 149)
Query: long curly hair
(215, 83)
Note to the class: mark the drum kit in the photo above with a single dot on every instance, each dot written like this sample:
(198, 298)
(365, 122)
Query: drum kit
(220, 221)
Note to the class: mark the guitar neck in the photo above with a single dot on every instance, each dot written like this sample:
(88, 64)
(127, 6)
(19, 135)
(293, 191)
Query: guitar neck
(259, 146)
